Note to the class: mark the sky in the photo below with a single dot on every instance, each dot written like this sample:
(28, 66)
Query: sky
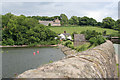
(96, 10)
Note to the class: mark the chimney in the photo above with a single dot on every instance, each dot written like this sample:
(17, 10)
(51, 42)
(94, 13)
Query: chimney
(64, 31)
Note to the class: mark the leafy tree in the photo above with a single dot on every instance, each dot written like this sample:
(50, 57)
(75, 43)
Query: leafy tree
(108, 23)
(99, 39)
(90, 33)
(99, 24)
(73, 20)
(64, 19)
(117, 26)
(49, 24)
(21, 30)
(92, 22)
(84, 21)
(5, 19)
(104, 33)
(87, 21)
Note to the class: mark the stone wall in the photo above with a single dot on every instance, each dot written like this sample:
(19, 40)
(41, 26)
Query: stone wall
(98, 62)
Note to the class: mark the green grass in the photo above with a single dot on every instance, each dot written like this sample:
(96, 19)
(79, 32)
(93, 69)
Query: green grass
(79, 48)
(78, 29)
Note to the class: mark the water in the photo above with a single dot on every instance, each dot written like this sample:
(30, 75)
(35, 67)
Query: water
(17, 60)
(117, 48)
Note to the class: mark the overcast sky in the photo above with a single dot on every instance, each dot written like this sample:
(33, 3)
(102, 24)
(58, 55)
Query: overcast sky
(96, 10)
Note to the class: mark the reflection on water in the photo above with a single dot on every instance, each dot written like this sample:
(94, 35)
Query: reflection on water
(18, 60)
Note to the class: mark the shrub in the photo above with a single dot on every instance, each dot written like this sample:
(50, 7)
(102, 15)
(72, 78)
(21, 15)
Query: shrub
(49, 24)
(67, 43)
(90, 33)
(71, 46)
(8, 42)
(82, 48)
(97, 40)
(73, 34)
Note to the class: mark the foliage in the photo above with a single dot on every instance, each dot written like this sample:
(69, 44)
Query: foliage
(73, 34)
(104, 33)
(64, 19)
(108, 23)
(45, 18)
(82, 48)
(21, 30)
(99, 39)
(90, 33)
(87, 21)
(73, 20)
(117, 27)
(49, 24)
(67, 43)
(79, 29)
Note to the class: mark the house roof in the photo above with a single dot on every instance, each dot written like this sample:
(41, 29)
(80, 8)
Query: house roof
(66, 34)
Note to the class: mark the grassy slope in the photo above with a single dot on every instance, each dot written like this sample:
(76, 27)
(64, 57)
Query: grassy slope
(78, 29)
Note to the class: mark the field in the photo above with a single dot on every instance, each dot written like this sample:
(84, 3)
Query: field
(78, 29)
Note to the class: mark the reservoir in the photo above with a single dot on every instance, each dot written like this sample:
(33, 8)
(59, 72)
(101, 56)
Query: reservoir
(17, 60)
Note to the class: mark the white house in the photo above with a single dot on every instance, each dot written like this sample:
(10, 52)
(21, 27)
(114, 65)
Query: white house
(65, 36)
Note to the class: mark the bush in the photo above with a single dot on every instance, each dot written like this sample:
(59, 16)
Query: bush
(97, 40)
(8, 42)
(90, 33)
(82, 48)
(49, 24)
(73, 34)
(71, 46)
(67, 43)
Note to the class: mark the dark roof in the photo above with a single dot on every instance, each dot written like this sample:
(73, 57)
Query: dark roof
(66, 34)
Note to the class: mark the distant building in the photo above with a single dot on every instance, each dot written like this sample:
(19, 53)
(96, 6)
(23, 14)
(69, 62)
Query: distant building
(56, 22)
(65, 36)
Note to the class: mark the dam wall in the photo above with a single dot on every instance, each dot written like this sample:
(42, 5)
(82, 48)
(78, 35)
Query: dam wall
(98, 62)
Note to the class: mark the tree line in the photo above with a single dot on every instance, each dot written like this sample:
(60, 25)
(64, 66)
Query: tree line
(26, 30)
(22, 30)
(107, 22)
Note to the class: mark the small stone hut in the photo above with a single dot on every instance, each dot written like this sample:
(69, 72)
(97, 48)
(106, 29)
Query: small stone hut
(79, 39)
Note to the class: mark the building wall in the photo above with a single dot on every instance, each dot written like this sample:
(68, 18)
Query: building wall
(53, 23)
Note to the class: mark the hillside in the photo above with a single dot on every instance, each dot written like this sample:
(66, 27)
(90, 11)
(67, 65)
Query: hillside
(78, 29)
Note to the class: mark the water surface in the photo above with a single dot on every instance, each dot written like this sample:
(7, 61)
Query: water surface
(17, 60)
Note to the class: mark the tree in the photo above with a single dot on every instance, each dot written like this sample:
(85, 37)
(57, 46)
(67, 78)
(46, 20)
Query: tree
(64, 19)
(117, 27)
(108, 22)
(73, 20)
(90, 33)
(5, 19)
(99, 24)
(87, 21)
(97, 40)
(49, 24)
(23, 30)
(92, 22)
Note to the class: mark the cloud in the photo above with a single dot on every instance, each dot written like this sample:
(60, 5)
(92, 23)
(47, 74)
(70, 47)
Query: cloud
(97, 10)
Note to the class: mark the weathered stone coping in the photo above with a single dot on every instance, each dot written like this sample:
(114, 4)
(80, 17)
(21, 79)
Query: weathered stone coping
(98, 62)
(67, 51)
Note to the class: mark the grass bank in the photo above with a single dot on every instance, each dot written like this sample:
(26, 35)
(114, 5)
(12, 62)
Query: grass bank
(78, 29)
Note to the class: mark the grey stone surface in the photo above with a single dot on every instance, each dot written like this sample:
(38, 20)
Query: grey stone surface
(98, 62)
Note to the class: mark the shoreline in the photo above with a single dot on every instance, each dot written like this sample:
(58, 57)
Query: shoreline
(28, 46)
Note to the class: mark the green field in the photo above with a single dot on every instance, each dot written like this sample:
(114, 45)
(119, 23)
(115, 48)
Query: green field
(78, 29)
